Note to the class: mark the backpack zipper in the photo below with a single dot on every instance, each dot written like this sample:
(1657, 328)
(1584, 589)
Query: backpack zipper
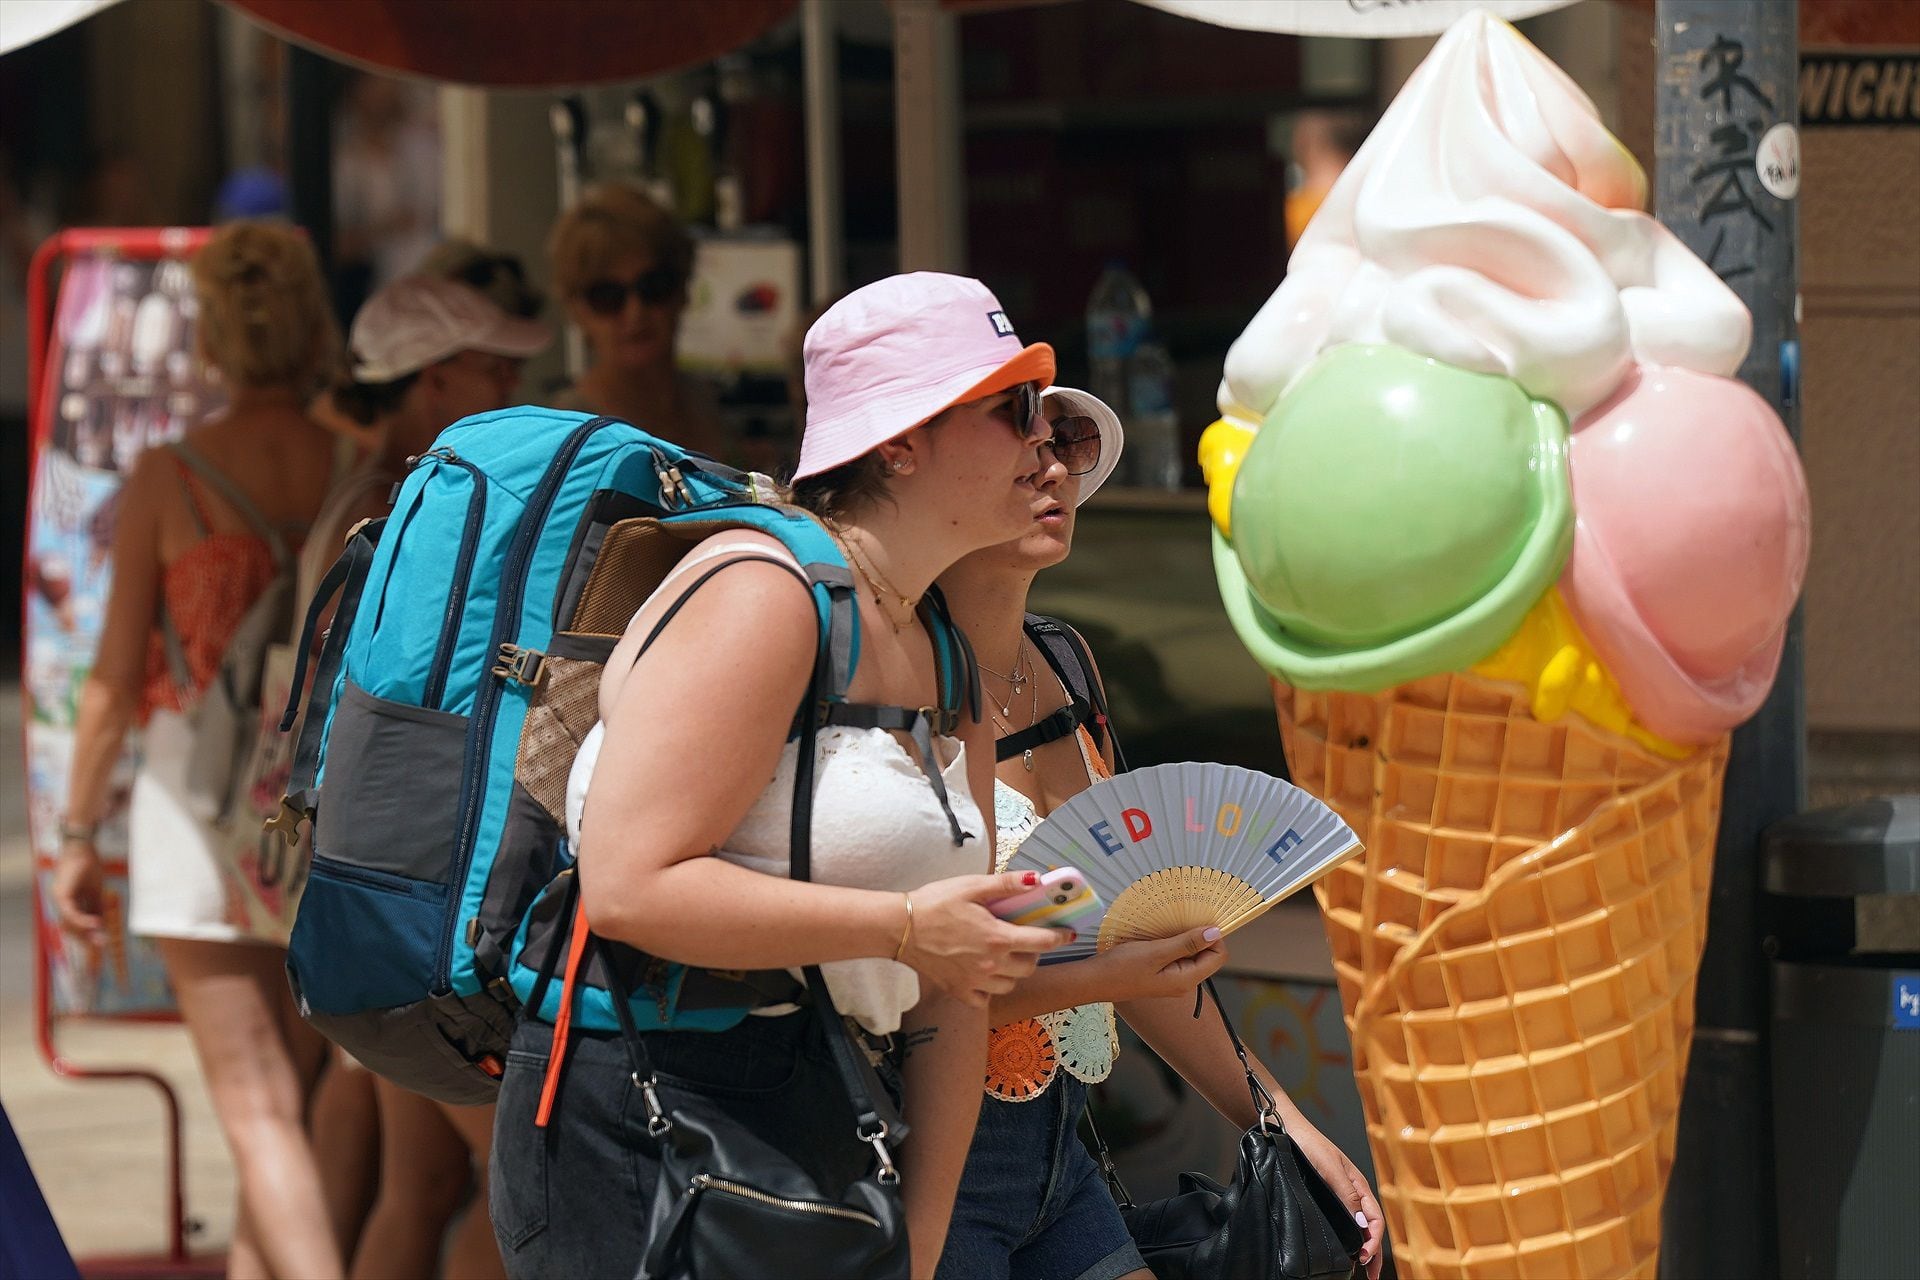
(707, 1182)
(506, 624)
(462, 567)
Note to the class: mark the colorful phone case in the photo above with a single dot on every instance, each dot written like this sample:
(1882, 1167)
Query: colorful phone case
(1061, 897)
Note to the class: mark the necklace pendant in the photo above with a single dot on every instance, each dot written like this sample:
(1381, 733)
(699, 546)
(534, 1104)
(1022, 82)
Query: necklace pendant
(1026, 758)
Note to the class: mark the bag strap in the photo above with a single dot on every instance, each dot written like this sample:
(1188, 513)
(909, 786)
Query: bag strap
(1263, 1104)
(345, 579)
(238, 499)
(878, 1123)
(1266, 1113)
(570, 899)
(1044, 730)
(959, 668)
(1108, 1168)
(170, 640)
(579, 936)
(959, 681)
(1066, 652)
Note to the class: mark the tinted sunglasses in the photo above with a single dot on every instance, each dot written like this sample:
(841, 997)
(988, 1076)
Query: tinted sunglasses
(1076, 443)
(609, 297)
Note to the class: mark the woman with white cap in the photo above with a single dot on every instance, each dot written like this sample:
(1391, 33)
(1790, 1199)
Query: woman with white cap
(921, 445)
(426, 352)
(1032, 1204)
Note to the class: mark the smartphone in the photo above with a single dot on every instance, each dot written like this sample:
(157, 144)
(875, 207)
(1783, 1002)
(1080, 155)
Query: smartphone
(1061, 899)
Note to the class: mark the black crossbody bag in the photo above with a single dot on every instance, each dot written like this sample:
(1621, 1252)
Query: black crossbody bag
(729, 1205)
(1277, 1220)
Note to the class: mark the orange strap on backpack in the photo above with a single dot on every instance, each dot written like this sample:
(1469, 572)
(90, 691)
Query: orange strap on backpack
(563, 1020)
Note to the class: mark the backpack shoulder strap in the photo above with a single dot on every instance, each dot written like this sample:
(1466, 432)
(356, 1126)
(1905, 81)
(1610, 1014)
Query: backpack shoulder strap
(828, 577)
(236, 498)
(1066, 652)
(959, 669)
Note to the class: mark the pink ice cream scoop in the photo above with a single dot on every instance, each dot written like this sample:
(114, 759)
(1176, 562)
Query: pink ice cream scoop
(1690, 544)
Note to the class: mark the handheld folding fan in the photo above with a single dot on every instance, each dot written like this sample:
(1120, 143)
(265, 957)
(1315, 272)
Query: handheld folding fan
(1178, 846)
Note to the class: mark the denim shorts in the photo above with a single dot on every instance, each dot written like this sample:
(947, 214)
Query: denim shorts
(1033, 1205)
(574, 1199)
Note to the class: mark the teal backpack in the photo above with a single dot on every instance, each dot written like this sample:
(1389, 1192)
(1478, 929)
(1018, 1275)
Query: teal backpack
(458, 678)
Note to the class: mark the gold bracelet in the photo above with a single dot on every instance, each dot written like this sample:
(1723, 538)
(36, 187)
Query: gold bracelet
(906, 934)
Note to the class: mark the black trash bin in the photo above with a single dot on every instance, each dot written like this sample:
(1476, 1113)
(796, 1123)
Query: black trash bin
(1846, 1041)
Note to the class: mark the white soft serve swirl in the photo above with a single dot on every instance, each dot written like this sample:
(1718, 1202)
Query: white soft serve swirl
(1492, 222)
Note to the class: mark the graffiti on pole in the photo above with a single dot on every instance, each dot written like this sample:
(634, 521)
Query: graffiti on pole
(1723, 181)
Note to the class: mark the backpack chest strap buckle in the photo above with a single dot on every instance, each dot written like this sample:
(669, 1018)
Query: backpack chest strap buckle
(524, 665)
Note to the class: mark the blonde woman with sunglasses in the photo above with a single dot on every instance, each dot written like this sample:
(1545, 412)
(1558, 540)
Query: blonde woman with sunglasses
(1032, 1205)
(621, 264)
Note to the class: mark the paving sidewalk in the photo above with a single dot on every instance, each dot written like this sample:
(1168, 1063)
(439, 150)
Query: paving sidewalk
(98, 1148)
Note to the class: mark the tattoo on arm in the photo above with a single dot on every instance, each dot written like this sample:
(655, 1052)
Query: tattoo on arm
(919, 1038)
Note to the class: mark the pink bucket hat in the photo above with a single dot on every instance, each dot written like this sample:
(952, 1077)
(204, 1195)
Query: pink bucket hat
(891, 355)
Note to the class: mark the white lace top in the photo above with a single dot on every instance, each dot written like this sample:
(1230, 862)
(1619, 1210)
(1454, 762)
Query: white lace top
(876, 825)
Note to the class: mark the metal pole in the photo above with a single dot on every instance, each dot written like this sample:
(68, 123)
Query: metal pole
(926, 88)
(1727, 171)
(826, 250)
(568, 116)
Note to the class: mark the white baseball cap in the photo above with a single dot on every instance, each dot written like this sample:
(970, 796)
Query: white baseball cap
(892, 354)
(1073, 401)
(420, 320)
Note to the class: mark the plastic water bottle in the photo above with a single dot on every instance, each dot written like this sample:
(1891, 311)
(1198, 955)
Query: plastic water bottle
(1118, 318)
(1153, 428)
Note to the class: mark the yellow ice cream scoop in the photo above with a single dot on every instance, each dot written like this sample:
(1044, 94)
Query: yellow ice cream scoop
(1560, 669)
(1222, 448)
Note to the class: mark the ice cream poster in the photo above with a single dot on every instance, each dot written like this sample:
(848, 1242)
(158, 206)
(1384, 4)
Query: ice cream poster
(120, 378)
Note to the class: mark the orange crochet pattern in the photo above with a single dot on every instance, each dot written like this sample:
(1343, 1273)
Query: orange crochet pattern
(1021, 1060)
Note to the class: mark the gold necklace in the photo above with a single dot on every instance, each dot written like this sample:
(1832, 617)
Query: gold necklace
(875, 580)
(1015, 682)
(1033, 714)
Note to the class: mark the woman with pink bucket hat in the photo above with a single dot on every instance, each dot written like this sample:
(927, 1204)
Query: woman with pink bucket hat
(922, 444)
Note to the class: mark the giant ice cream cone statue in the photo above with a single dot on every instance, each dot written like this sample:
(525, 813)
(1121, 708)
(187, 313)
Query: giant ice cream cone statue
(1519, 554)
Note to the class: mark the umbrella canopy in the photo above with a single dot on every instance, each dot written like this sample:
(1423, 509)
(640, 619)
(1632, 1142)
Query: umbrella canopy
(510, 44)
(491, 43)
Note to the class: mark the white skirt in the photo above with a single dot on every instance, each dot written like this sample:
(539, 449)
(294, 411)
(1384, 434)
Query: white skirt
(187, 878)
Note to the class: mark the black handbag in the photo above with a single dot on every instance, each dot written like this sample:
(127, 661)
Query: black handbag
(1277, 1220)
(728, 1204)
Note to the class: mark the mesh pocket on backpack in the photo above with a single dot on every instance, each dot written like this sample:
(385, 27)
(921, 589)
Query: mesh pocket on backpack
(564, 709)
(635, 555)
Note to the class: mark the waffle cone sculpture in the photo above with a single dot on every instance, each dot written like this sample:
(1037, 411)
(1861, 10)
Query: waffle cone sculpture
(1519, 554)
(1516, 955)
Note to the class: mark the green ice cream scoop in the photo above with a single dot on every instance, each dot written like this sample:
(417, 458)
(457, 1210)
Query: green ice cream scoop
(1395, 517)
